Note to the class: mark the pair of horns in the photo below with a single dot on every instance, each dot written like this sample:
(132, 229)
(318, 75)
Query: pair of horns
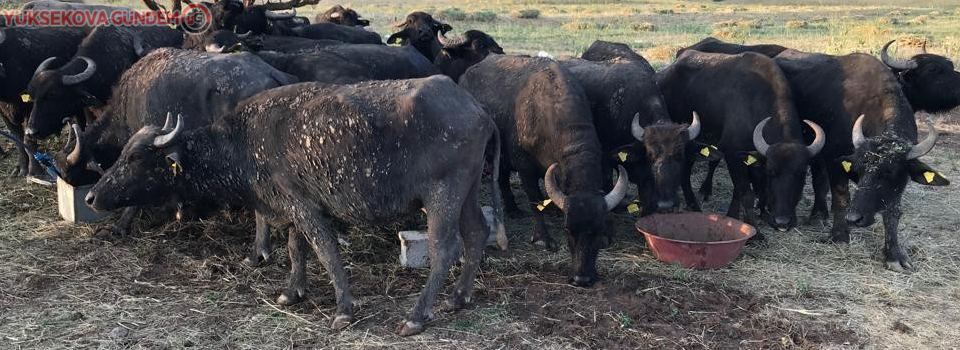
(693, 130)
(813, 148)
(916, 151)
(560, 199)
(169, 132)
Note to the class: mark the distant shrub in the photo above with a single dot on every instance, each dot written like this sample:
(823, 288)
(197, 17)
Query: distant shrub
(934, 13)
(483, 16)
(818, 19)
(896, 13)
(742, 24)
(797, 25)
(665, 11)
(527, 14)
(643, 27)
(664, 53)
(726, 34)
(452, 14)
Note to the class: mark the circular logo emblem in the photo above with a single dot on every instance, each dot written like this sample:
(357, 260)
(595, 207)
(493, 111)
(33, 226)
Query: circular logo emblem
(195, 19)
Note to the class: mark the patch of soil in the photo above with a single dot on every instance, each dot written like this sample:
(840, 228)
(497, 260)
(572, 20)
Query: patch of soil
(651, 311)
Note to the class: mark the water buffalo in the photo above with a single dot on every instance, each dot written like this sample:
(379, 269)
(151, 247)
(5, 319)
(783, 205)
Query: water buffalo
(544, 120)
(420, 30)
(342, 16)
(929, 81)
(307, 174)
(747, 110)
(21, 51)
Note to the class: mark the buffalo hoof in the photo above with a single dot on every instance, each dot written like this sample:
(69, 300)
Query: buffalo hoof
(341, 322)
(112, 230)
(840, 236)
(898, 261)
(547, 244)
(456, 303)
(290, 297)
(257, 259)
(408, 328)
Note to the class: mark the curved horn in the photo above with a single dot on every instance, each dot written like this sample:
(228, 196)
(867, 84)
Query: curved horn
(168, 123)
(450, 43)
(44, 65)
(694, 129)
(244, 35)
(138, 45)
(73, 159)
(923, 48)
(818, 140)
(619, 190)
(86, 74)
(553, 191)
(635, 128)
(276, 16)
(927, 144)
(164, 140)
(894, 63)
(758, 142)
(857, 136)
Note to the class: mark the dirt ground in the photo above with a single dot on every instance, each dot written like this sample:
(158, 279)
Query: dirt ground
(182, 284)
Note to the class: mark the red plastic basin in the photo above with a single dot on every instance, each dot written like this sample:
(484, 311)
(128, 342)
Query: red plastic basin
(695, 240)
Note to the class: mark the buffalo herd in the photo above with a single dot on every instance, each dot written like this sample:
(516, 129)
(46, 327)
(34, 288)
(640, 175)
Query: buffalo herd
(303, 124)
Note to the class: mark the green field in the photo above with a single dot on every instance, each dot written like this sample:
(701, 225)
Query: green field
(174, 285)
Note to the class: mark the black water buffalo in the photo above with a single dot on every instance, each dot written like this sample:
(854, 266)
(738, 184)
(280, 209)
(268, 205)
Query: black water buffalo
(307, 174)
(344, 64)
(544, 120)
(420, 30)
(714, 45)
(929, 81)
(87, 79)
(225, 41)
(332, 31)
(200, 86)
(871, 138)
(342, 16)
(21, 51)
(747, 111)
(632, 122)
(457, 55)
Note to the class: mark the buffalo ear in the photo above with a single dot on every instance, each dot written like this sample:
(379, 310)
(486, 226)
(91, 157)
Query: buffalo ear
(705, 151)
(925, 175)
(751, 158)
(173, 160)
(87, 99)
(363, 22)
(626, 154)
(397, 38)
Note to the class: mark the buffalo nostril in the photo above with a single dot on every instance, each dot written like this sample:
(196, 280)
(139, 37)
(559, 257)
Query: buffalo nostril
(782, 220)
(854, 218)
(89, 198)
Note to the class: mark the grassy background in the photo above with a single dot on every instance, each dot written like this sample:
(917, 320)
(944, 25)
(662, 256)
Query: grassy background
(180, 285)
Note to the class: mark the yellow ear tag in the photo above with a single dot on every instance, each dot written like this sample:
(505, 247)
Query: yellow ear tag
(25, 98)
(633, 208)
(544, 205)
(846, 165)
(623, 156)
(175, 167)
(929, 175)
(705, 151)
(173, 26)
(750, 160)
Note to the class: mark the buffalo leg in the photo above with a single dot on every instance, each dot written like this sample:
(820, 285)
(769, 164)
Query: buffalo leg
(24, 159)
(688, 196)
(821, 184)
(531, 185)
(317, 231)
(509, 201)
(124, 222)
(297, 286)
(743, 197)
(896, 258)
(443, 222)
(840, 200)
(261, 244)
(706, 188)
(759, 182)
(473, 233)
